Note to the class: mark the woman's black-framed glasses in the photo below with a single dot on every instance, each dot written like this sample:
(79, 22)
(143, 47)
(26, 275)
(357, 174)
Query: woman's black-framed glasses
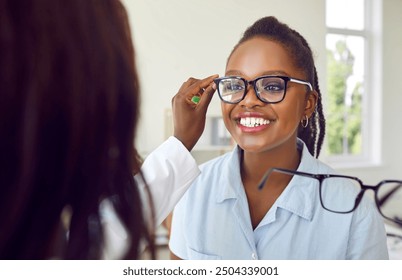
(269, 89)
(387, 193)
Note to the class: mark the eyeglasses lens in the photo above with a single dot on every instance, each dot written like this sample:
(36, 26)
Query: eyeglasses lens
(389, 197)
(269, 89)
(337, 195)
(231, 90)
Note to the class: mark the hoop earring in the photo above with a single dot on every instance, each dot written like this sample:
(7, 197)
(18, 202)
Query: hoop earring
(304, 121)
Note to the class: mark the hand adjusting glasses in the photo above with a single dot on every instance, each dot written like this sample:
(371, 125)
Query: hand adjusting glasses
(350, 191)
(269, 89)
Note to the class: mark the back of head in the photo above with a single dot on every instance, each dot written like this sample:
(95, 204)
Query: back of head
(68, 113)
(272, 29)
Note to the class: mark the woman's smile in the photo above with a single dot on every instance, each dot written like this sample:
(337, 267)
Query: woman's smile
(253, 122)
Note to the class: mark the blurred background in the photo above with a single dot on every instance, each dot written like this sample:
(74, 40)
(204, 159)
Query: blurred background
(358, 52)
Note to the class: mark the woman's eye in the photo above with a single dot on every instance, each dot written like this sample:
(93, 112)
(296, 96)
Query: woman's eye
(273, 87)
(234, 87)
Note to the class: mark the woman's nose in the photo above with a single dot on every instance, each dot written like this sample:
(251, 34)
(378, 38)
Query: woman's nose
(251, 100)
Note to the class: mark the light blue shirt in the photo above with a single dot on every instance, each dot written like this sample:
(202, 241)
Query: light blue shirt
(212, 220)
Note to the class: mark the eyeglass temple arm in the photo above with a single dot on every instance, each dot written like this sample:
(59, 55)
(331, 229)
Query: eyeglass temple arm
(285, 171)
(394, 235)
(302, 82)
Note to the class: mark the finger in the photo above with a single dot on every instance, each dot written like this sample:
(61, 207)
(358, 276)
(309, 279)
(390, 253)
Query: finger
(188, 83)
(198, 89)
(206, 97)
(183, 93)
(200, 85)
(192, 90)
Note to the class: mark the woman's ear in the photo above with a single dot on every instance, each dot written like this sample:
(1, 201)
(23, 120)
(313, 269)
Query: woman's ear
(311, 103)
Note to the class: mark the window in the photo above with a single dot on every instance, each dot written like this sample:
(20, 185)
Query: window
(352, 137)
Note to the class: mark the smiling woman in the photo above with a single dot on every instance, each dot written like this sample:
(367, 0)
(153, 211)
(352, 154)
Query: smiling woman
(175, 39)
(271, 105)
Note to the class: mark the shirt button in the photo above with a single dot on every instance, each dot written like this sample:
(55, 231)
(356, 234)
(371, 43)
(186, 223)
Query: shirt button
(253, 256)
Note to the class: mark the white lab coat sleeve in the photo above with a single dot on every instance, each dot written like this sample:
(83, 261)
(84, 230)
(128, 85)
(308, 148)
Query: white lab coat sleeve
(168, 171)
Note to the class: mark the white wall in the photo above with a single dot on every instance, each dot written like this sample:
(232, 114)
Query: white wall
(177, 39)
(392, 106)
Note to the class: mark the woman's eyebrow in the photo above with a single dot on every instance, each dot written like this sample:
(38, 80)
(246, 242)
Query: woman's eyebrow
(234, 73)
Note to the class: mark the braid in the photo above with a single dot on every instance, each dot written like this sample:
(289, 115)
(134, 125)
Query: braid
(313, 134)
(294, 42)
(319, 118)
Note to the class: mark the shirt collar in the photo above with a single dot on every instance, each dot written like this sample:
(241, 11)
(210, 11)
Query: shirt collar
(231, 185)
(301, 194)
(299, 197)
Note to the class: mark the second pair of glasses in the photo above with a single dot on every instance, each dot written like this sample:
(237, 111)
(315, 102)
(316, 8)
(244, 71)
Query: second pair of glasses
(387, 193)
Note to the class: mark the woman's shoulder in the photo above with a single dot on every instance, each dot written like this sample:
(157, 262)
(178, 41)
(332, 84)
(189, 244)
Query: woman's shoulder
(311, 164)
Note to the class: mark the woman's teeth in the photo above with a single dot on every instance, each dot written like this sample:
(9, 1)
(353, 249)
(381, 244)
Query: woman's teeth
(253, 122)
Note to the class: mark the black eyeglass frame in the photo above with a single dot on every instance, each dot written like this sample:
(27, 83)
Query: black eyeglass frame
(286, 79)
(321, 177)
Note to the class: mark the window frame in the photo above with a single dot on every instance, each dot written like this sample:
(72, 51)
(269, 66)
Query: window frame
(372, 87)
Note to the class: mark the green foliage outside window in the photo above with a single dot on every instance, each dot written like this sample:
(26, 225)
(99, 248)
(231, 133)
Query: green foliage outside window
(344, 111)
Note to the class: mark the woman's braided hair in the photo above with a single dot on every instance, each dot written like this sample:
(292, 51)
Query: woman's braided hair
(297, 46)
